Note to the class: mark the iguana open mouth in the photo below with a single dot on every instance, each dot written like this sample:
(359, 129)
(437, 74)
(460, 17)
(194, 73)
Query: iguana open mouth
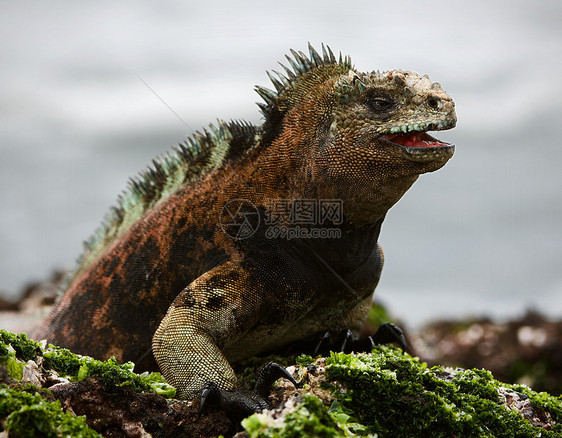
(419, 146)
(415, 140)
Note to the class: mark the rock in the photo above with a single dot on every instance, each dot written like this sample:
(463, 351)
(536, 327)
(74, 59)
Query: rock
(35, 302)
(526, 350)
(386, 392)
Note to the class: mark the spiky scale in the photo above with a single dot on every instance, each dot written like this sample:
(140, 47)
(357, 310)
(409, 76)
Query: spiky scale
(282, 78)
(314, 56)
(330, 55)
(294, 65)
(301, 64)
(305, 61)
(288, 71)
(276, 83)
(266, 94)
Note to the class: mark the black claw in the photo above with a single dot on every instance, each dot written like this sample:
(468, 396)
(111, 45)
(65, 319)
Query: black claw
(347, 340)
(268, 374)
(341, 341)
(326, 340)
(388, 333)
(210, 396)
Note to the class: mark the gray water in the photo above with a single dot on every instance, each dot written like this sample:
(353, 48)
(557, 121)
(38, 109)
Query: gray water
(481, 236)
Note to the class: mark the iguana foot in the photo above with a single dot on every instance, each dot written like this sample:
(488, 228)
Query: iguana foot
(343, 341)
(389, 333)
(243, 402)
(236, 401)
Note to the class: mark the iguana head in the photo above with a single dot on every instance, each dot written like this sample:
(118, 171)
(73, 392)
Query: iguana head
(365, 133)
(393, 111)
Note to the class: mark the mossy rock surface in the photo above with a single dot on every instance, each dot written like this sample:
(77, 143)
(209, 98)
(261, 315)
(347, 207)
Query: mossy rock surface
(386, 393)
(25, 412)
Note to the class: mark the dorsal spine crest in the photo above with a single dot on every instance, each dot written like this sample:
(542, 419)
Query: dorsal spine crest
(300, 65)
(199, 155)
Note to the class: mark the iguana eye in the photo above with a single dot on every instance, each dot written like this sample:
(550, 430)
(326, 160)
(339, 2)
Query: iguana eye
(380, 104)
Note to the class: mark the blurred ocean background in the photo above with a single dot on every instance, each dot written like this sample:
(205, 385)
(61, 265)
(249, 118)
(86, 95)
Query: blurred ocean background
(482, 236)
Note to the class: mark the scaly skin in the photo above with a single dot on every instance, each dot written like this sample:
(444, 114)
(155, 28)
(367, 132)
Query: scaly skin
(167, 269)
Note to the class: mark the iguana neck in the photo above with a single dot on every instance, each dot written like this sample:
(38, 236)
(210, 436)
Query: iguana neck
(281, 173)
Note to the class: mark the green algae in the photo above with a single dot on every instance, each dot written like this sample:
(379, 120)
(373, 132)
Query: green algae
(304, 360)
(78, 367)
(25, 349)
(390, 394)
(385, 393)
(14, 367)
(394, 394)
(310, 418)
(25, 413)
(16, 350)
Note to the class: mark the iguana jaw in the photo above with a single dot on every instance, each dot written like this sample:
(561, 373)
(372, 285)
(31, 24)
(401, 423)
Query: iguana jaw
(419, 145)
(415, 140)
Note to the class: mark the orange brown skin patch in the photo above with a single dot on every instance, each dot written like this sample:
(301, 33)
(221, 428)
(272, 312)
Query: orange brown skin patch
(176, 282)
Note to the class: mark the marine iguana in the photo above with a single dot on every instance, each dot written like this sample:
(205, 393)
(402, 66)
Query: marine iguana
(247, 238)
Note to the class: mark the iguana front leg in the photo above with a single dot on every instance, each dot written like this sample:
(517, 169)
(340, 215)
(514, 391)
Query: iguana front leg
(211, 312)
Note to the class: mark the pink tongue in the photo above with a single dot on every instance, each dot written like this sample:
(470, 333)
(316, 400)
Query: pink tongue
(409, 140)
(412, 140)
